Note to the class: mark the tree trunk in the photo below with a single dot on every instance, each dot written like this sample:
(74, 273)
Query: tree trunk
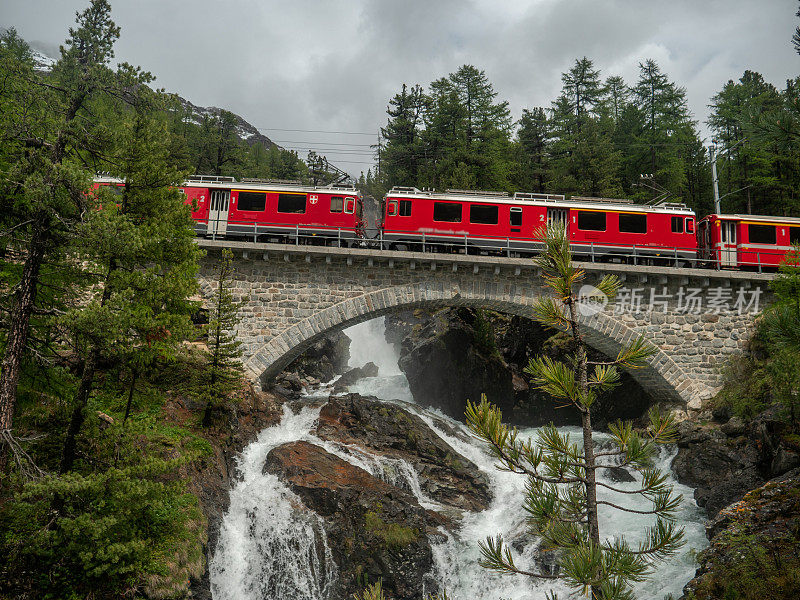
(588, 442)
(85, 388)
(134, 377)
(18, 332)
(78, 416)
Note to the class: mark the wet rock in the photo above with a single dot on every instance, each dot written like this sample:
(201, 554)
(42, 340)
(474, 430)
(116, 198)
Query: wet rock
(325, 359)
(447, 363)
(723, 464)
(456, 354)
(392, 431)
(618, 475)
(353, 375)
(375, 530)
(753, 551)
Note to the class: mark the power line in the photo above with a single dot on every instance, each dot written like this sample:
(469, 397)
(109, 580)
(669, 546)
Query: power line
(322, 143)
(316, 131)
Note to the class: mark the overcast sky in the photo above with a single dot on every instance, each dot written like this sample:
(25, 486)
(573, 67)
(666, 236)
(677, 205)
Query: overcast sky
(332, 65)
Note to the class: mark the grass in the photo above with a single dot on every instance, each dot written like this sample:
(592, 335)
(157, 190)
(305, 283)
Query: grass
(394, 535)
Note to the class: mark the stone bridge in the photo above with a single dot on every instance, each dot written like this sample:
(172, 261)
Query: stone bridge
(694, 318)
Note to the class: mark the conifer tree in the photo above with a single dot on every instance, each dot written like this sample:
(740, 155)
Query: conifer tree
(140, 242)
(224, 368)
(562, 488)
(49, 136)
(533, 139)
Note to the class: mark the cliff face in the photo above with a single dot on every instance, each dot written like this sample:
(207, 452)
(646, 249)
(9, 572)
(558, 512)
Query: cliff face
(754, 546)
(723, 458)
(456, 354)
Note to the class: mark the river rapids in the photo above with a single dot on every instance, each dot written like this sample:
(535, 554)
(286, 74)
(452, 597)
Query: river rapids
(269, 548)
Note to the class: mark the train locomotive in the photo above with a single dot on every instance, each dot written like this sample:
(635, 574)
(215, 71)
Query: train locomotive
(467, 221)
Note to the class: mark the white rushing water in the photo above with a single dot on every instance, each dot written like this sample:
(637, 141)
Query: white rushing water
(270, 548)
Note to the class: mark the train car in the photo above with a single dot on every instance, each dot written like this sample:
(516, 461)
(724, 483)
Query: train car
(271, 210)
(274, 210)
(598, 228)
(746, 241)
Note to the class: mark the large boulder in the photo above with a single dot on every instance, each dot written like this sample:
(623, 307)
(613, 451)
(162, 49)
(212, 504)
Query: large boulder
(351, 376)
(444, 475)
(326, 358)
(375, 531)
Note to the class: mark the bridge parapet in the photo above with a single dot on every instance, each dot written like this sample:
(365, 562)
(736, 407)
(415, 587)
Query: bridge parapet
(695, 318)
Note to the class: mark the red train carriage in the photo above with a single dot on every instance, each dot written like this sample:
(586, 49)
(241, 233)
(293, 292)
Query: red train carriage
(746, 241)
(263, 210)
(597, 228)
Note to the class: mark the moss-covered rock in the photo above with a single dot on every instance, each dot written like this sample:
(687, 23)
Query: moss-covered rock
(754, 547)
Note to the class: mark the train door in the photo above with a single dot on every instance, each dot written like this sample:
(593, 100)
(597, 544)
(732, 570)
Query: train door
(727, 255)
(515, 219)
(557, 217)
(218, 212)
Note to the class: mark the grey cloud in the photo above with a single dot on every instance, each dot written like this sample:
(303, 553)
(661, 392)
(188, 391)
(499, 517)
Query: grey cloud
(334, 65)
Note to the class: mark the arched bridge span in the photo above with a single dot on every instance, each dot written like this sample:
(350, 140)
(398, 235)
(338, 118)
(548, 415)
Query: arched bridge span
(295, 294)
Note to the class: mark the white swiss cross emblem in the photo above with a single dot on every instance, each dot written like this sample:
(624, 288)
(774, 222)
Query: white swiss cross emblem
(313, 199)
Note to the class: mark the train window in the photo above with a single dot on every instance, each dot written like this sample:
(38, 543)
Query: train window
(677, 225)
(349, 206)
(794, 235)
(392, 209)
(337, 204)
(405, 208)
(447, 211)
(629, 223)
(252, 201)
(291, 203)
(762, 234)
(516, 216)
(689, 225)
(589, 220)
(485, 214)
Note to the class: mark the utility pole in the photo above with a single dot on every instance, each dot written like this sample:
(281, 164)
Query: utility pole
(712, 151)
(377, 175)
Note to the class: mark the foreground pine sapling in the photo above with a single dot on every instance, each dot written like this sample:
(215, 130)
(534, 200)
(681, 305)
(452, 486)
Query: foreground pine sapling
(224, 349)
(561, 500)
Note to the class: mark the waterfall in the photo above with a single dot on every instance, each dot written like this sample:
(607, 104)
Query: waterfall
(268, 548)
(272, 549)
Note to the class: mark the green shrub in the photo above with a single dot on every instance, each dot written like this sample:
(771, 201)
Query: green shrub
(106, 535)
(395, 536)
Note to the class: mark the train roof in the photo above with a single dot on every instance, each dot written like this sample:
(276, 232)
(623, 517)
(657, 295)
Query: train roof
(755, 218)
(554, 200)
(271, 185)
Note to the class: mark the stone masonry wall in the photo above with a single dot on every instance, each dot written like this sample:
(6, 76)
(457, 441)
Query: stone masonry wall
(295, 294)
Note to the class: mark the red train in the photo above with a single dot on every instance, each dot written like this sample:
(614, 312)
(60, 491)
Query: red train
(493, 222)
(598, 228)
(271, 210)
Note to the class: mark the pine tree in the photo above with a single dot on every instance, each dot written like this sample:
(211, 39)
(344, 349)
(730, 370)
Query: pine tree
(746, 169)
(224, 368)
(583, 92)
(561, 500)
(50, 135)
(402, 152)
(584, 160)
(532, 140)
(141, 243)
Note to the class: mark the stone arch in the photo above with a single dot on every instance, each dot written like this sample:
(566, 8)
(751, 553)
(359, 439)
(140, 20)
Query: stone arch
(661, 376)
